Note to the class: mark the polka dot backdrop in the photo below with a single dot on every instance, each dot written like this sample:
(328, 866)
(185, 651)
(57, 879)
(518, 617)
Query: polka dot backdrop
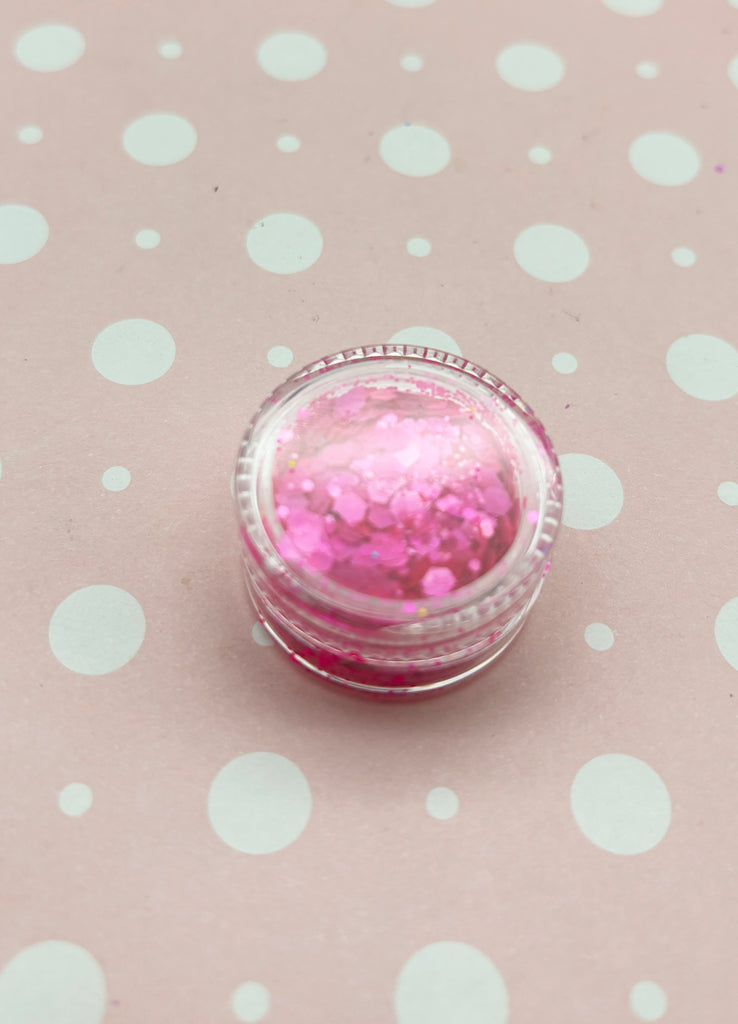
(194, 207)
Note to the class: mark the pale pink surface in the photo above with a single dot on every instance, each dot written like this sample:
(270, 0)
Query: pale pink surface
(175, 917)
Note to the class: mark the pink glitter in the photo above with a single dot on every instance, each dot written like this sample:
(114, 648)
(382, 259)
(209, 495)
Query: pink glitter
(393, 493)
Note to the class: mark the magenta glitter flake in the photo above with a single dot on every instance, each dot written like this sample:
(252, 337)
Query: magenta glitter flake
(397, 507)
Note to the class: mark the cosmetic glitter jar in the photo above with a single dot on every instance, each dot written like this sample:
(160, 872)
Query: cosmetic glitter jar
(397, 508)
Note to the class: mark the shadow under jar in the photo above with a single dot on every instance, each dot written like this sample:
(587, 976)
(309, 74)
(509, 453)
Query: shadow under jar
(397, 508)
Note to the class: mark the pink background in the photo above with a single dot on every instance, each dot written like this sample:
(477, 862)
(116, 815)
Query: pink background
(176, 918)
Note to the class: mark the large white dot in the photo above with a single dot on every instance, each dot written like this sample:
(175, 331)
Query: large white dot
(30, 134)
(418, 247)
(23, 233)
(170, 50)
(530, 67)
(133, 351)
(117, 478)
(726, 632)
(410, 3)
(599, 637)
(426, 337)
(75, 799)
(442, 803)
(728, 492)
(634, 8)
(50, 47)
(288, 143)
(450, 982)
(52, 982)
(414, 150)
(664, 159)
(683, 257)
(250, 1002)
(564, 362)
(260, 635)
(147, 238)
(280, 355)
(551, 253)
(647, 69)
(621, 804)
(648, 1000)
(96, 630)
(259, 803)
(539, 155)
(292, 56)
(704, 367)
(158, 140)
(284, 243)
(593, 494)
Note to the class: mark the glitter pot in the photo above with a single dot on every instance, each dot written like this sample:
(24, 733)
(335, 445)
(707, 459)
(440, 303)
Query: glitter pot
(397, 508)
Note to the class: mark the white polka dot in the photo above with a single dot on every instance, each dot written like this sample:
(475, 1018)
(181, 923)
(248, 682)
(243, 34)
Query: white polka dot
(414, 150)
(75, 799)
(530, 67)
(564, 362)
(539, 155)
(648, 1001)
(170, 49)
(117, 478)
(260, 636)
(23, 233)
(634, 8)
(259, 803)
(410, 3)
(292, 56)
(450, 981)
(147, 238)
(233, 484)
(728, 492)
(599, 636)
(280, 355)
(284, 243)
(733, 71)
(97, 630)
(683, 257)
(442, 803)
(647, 69)
(726, 632)
(621, 804)
(551, 253)
(52, 982)
(411, 62)
(664, 159)
(593, 494)
(250, 1002)
(418, 247)
(133, 351)
(704, 367)
(159, 140)
(50, 47)
(30, 134)
(426, 337)
(288, 143)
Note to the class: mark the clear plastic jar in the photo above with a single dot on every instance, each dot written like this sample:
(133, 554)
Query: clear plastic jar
(397, 508)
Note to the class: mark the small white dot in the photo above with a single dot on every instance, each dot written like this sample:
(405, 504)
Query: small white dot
(599, 636)
(728, 492)
(117, 478)
(411, 62)
(75, 799)
(647, 69)
(539, 155)
(288, 143)
(683, 257)
(147, 238)
(648, 1001)
(280, 355)
(418, 247)
(170, 49)
(250, 1002)
(30, 134)
(260, 636)
(564, 362)
(442, 803)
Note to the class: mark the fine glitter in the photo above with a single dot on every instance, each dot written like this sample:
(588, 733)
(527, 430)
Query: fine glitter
(401, 494)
